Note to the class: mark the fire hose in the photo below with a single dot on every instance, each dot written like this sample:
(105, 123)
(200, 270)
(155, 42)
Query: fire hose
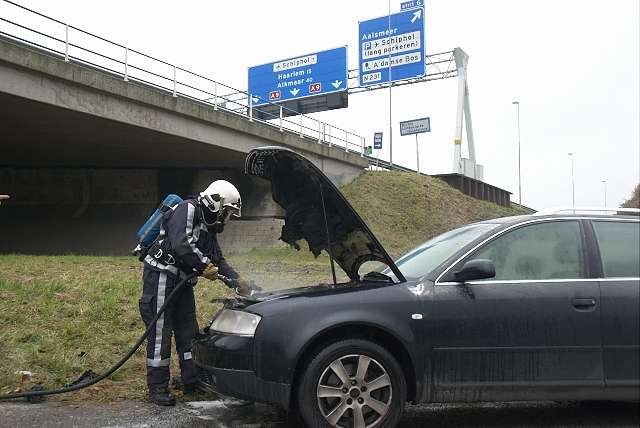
(89, 378)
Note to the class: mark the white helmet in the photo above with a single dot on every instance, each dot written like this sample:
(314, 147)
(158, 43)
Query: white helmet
(223, 194)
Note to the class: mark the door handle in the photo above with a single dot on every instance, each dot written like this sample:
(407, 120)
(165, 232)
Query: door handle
(584, 304)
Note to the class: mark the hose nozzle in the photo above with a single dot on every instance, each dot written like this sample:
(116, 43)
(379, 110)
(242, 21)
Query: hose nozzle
(231, 283)
(241, 290)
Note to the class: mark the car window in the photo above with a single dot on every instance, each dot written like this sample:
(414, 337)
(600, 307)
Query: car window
(619, 248)
(430, 254)
(549, 250)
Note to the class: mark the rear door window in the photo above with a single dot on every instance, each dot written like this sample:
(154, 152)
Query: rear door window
(619, 248)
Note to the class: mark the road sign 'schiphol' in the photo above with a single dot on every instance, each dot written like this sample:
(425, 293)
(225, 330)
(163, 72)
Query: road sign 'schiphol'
(302, 76)
(393, 42)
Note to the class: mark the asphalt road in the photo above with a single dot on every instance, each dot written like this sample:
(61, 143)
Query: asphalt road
(229, 413)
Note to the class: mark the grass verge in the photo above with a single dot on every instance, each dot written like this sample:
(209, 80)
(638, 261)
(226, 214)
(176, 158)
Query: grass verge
(64, 315)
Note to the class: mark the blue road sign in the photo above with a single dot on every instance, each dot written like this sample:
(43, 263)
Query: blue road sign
(303, 76)
(377, 140)
(397, 39)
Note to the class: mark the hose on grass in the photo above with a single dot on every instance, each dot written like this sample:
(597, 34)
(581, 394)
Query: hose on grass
(36, 393)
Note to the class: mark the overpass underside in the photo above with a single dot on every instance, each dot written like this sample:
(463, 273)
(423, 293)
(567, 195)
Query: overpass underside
(86, 157)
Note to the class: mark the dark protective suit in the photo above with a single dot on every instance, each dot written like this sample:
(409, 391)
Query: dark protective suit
(186, 245)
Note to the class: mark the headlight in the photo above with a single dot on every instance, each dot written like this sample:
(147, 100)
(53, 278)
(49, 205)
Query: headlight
(236, 322)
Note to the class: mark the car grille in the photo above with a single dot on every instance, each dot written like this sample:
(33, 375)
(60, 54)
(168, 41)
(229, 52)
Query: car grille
(206, 376)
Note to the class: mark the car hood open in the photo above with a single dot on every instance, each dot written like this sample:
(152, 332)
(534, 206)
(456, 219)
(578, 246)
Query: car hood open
(314, 208)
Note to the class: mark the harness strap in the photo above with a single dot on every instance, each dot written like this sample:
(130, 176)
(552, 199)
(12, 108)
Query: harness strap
(168, 259)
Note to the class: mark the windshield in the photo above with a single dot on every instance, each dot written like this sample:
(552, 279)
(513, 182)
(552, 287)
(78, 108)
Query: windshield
(428, 255)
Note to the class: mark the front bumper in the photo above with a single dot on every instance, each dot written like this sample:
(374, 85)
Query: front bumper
(225, 364)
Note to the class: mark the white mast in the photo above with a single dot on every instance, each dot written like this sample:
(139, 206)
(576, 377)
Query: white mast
(464, 109)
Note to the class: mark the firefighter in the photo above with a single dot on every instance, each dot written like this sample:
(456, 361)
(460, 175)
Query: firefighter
(187, 242)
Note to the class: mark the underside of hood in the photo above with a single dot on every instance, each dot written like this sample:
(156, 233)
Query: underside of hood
(316, 211)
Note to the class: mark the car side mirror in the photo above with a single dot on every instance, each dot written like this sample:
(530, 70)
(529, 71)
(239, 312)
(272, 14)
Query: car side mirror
(475, 269)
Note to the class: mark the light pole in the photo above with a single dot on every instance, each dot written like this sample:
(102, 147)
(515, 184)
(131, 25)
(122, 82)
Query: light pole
(605, 193)
(390, 123)
(519, 175)
(573, 184)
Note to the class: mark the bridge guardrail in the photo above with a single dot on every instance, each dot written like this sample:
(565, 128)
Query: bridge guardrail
(70, 43)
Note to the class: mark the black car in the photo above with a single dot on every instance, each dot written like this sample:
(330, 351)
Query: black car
(539, 307)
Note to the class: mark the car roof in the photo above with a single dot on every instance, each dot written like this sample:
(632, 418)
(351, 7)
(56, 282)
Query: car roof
(580, 213)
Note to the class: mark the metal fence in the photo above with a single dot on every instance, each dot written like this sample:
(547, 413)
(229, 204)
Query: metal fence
(54, 37)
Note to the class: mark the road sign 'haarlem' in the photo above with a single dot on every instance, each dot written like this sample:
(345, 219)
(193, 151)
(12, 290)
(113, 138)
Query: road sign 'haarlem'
(303, 76)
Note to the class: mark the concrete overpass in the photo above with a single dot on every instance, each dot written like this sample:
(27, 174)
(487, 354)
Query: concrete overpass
(86, 156)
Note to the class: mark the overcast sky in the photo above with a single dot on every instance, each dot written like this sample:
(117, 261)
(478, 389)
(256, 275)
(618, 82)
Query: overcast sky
(572, 65)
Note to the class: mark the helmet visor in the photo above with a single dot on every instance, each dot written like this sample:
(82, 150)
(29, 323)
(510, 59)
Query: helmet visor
(230, 210)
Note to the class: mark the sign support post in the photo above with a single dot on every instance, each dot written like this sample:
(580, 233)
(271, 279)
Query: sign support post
(416, 126)
(463, 110)
(417, 156)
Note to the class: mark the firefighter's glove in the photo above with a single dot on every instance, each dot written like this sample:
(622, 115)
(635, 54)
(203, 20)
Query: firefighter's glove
(210, 272)
(246, 288)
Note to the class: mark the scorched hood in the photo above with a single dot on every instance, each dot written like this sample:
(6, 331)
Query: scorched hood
(314, 208)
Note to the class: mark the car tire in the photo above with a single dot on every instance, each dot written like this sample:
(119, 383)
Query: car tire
(352, 383)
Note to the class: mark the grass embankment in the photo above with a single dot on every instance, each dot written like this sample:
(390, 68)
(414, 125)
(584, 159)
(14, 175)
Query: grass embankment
(63, 315)
(405, 209)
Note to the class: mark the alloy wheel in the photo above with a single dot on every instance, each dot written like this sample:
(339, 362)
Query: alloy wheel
(354, 391)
